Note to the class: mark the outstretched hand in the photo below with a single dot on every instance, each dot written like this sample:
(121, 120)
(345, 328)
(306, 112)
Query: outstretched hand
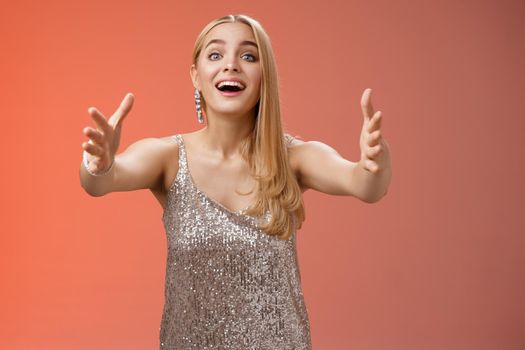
(104, 141)
(374, 149)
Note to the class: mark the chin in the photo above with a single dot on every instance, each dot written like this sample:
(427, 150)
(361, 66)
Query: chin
(232, 112)
(234, 109)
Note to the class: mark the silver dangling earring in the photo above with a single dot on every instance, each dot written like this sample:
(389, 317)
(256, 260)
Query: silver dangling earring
(200, 118)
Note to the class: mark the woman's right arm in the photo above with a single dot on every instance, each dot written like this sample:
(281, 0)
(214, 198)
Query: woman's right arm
(140, 166)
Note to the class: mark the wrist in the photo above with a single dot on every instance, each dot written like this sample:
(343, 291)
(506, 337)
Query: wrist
(85, 162)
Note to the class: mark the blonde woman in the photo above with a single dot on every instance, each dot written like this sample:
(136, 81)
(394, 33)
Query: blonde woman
(232, 195)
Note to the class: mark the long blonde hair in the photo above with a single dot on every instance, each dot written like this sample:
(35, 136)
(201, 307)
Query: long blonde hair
(266, 148)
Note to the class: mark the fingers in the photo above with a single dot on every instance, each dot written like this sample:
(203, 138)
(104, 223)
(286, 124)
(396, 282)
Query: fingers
(94, 146)
(99, 119)
(94, 150)
(371, 166)
(122, 111)
(375, 122)
(372, 139)
(366, 104)
(371, 149)
(373, 152)
(94, 135)
(103, 139)
(373, 133)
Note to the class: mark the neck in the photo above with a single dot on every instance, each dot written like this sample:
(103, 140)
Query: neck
(224, 134)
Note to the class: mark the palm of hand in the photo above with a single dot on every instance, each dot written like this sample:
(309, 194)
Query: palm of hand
(104, 141)
(373, 146)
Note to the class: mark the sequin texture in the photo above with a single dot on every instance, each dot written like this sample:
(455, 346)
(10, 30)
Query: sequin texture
(228, 285)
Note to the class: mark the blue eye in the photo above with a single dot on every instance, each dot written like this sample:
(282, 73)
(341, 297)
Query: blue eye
(211, 55)
(252, 57)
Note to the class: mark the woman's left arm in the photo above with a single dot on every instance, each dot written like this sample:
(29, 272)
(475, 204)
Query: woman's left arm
(320, 167)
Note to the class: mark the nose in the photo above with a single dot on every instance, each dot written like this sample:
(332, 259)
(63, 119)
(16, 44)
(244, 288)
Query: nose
(231, 66)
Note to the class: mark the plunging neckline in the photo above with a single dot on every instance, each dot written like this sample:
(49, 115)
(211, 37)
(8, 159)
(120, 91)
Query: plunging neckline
(201, 192)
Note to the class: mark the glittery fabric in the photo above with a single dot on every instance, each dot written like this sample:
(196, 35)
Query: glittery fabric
(229, 285)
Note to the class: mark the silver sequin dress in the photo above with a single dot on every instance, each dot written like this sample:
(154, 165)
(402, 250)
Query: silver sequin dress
(229, 285)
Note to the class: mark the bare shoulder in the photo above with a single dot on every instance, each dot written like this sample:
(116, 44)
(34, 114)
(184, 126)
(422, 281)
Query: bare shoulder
(168, 141)
(294, 145)
(171, 147)
(151, 150)
(308, 159)
(157, 156)
(298, 149)
(171, 160)
(154, 144)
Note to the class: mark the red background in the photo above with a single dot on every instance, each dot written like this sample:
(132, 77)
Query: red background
(438, 263)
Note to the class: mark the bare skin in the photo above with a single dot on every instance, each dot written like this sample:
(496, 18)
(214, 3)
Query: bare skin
(213, 152)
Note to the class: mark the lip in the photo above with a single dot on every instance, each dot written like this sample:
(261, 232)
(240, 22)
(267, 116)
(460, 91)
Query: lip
(230, 93)
(231, 79)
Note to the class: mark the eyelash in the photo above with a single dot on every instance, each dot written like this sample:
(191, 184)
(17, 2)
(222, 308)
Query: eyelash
(247, 54)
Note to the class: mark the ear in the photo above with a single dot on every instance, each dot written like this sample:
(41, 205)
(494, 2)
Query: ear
(194, 77)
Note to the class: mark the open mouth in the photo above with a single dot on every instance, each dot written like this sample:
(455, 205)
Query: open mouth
(230, 86)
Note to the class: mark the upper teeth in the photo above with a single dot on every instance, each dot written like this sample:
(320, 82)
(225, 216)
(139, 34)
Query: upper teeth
(230, 83)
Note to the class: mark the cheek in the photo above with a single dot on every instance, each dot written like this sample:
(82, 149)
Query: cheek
(206, 75)
(256, 77)
(259, 88)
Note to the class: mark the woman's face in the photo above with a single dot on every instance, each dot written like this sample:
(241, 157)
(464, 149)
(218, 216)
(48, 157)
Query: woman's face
(228, 70)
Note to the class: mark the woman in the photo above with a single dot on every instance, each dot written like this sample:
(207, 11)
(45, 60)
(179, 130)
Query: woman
(232, 195)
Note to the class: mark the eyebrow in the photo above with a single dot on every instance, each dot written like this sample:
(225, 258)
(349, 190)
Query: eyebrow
(220, 41)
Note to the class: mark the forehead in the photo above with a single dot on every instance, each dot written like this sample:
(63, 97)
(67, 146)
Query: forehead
(230, 33)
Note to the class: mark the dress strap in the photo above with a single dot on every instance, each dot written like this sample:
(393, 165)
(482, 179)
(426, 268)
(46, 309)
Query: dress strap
(183, 162)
